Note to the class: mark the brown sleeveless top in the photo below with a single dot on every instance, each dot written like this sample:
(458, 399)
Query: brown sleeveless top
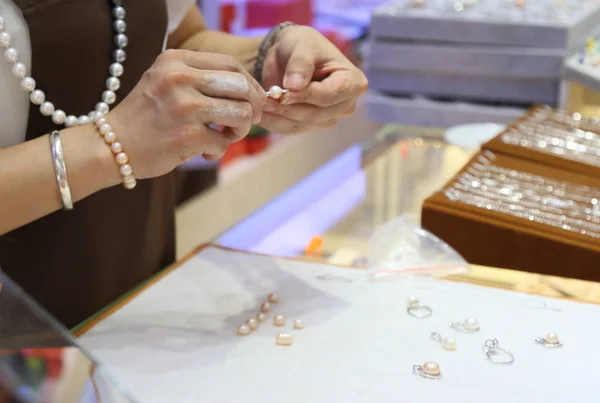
(75, 263)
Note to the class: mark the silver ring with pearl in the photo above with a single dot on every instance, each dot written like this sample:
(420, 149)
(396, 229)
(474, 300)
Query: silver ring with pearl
(551, 340)
(469, 325)
(429, 370)
(448, 343)
(415, 309)
(497, 355)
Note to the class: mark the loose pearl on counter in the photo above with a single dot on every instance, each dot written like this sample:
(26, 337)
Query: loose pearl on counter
(273, 298)
(47, 108)
(37, 97)
(122, 158)
(412, 302)
(59, 117)
(116, 69)
(551, 338)
(19, 70)
(11, 55)
(5, 39)
(275, 92)
(284, 339)
(251, 322)
(28, 84)
(110, 138)
(242, 330)
(471, 324)
(279, 320)
(71, 121)
(449, 343)
(431, 368)
(261, 317)
(113, 83)
(116, 147)
(266, 307)
(298, 324)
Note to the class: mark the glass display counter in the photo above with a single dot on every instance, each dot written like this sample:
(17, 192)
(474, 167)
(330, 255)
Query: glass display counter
(331, 215)
(40, 362)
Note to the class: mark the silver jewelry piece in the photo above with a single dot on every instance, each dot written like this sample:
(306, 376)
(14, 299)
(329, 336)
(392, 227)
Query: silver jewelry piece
(551, 340)
(448, 343)
(429, 370)
(469, 325)
(283, 91)
(497, 355)
(415, 309)
(61, 170)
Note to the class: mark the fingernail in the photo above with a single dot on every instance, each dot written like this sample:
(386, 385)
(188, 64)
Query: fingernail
(294, 81)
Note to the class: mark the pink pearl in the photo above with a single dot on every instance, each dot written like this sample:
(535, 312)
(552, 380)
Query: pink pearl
(110, 138)
(122, 158)
(273, 298)
(265, 307)
(105, 129)
(431, 368)
(100, 122)
(126, 170)
(116, 147)
(279, 320)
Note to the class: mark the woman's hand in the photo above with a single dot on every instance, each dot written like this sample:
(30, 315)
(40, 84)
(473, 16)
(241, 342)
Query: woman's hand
(324, 85)
(165, 120)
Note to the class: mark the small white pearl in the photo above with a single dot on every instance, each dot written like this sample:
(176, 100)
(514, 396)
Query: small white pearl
(110, 138)
(120, 26)
(412, 302)
(552, 338)
(126, 170)
(298, 324)
(273, 298)
(5, 39)
(279, 320)
(284, 339)
(116, 69)
(59, 117)
(119, 55)
(122, 158)
(113, 83)
(266, 307)
(84, 120)
(37, 97)
(47, 108)
(275, 92)
(19, 70)
(130, 184)
(98, 115)
(105, 129)
(116, 147)
(261, 317)
(28, 84)
(252, 323)
(91, 115)
(109, 97)
(102, 107)
(71, 121)
(431, 368)
(242, 330)
(119, 13)
(471, 324)
(11, 55)
(121, 40)
(449, 343)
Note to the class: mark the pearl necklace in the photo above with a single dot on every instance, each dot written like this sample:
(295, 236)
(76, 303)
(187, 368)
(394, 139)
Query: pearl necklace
(38, 97)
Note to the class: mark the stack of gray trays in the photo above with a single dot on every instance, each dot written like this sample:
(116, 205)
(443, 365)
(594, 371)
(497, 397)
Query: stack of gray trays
(440, 63)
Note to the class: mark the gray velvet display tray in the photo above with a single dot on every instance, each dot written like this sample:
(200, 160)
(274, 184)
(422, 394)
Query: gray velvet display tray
(396, 21)
(585, 75)
(486, 88)
(427, 113)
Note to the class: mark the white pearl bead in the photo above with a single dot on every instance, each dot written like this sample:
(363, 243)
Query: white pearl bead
(126, 170)
(110, 138)
(84, 120)
(119, 13)
(11, 55)
(47, 108)
(121, 40)
(105, 129)
(98, 115)
(100, 121)
(116, 147)
(37, 97)
(449, 343)
(1, 23)
(298, 324)
(91, 115)
(5, 39)
(109, 97)
(266, 307)
(122, 158)
(279, 320)
(471, 324)
(59, 117)
(242, 330)
(275, 92)
(120, 26)
(431, 368)
(116, 69)
(252, 323)
(119, 55)
(130, 184)
(412, 302)
(284, 339)
(552, 338)
(71, 121)
(19, 70)
(102, 107)
(261, 317)
(113, 83)
(28, 84)
(273, 298)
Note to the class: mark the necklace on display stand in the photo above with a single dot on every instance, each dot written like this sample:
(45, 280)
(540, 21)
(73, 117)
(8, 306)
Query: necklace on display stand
(38, 97)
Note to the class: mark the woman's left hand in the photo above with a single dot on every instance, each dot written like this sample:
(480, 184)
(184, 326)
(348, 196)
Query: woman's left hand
(324, 85)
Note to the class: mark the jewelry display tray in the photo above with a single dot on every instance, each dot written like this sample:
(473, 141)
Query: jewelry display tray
(175, 341)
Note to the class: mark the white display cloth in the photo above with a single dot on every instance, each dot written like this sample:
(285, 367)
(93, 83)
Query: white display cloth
(176, 341)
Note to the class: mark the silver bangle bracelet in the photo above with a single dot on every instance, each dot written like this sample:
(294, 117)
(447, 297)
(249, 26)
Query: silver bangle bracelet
(61, 170)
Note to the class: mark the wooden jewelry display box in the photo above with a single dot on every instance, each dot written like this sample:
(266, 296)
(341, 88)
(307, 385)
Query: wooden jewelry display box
(529, 200)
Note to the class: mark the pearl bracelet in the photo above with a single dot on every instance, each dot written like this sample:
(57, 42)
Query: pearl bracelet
(110, 138)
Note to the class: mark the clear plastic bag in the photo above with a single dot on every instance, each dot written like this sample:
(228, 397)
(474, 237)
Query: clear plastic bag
(401, 247)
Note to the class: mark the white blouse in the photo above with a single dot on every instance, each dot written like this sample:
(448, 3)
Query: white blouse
(14, 102)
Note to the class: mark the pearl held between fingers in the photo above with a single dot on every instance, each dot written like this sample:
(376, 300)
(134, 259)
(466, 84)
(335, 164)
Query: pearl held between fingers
(242, 330)
(266, 307)
(47, 108)
(59, 117)
(261, 317)
(275, 92)
(122, 158)
(71, 121)
(20, 71)
(431, 368)
(252, 323)
(449, 343)
(110, 138)
(284, 339)
(552, 338)
(273, 298)
(471, 324)
(298, 324)
(279, 320)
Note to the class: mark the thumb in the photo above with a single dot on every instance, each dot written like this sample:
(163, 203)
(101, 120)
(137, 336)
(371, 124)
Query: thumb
(299, 70)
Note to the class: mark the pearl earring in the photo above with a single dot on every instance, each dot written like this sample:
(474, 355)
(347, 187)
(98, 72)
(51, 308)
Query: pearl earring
(414, 308)
(551, 340)
(469, 325)
(448, 343)
(497, 355)
(429, 370)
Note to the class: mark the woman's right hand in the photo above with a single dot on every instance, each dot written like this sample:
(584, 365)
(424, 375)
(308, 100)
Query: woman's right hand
(165, 120)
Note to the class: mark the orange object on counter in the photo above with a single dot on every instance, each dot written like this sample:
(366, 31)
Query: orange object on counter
(256, 144)
(234, 151)
(315, 246)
